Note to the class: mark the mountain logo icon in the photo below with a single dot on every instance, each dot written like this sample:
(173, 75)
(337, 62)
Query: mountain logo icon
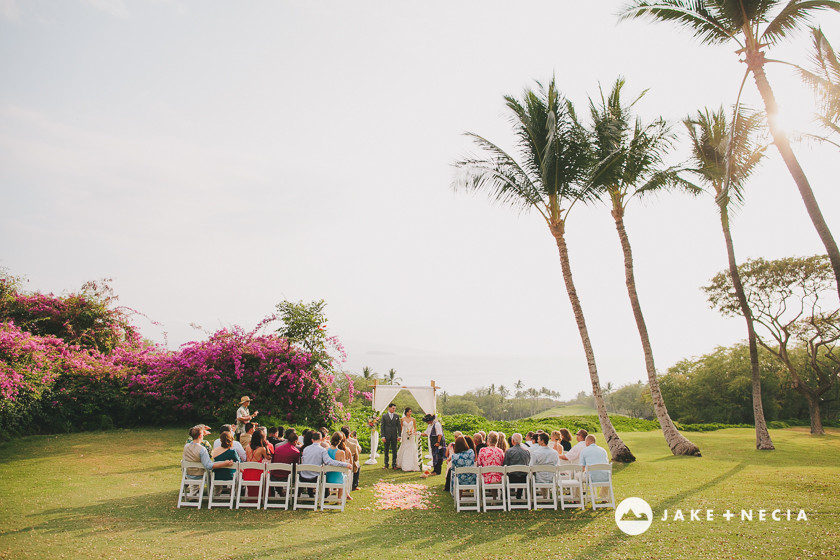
(633, 516)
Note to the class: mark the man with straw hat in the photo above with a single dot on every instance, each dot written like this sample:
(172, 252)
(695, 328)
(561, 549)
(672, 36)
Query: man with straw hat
(243, 416)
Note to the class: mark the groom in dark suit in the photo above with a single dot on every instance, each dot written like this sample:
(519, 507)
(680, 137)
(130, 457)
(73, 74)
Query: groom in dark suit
(390, 424)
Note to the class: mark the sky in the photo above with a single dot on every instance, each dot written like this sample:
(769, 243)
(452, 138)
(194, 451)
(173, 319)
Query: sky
(215, 158)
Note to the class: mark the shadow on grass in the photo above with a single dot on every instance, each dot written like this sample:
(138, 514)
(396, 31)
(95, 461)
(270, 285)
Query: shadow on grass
(618, 537)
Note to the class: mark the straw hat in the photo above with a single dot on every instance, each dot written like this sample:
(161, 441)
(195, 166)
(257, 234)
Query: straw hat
(244, 399)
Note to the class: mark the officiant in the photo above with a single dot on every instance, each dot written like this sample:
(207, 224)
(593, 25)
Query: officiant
(437, 442)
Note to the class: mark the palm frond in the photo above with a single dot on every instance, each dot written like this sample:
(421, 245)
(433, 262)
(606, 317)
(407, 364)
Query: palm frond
(795, 15)
(707, 25)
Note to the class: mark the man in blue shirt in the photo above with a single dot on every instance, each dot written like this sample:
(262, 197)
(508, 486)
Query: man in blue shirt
(594, 455)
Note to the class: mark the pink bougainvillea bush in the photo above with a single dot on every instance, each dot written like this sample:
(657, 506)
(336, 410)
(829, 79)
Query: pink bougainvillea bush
(206, 379)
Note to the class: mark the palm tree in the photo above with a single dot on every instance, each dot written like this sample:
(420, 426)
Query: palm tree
(630, 166)
(392, 377)
(724, 157)
(369, 374)
(555, 157)
(824, 78)
(741, 21)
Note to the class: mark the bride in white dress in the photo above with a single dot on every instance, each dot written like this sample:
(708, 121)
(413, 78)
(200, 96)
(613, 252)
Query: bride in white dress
(407, 456)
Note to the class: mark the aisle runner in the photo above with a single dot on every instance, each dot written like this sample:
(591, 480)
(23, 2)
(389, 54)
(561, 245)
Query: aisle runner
(402, 496)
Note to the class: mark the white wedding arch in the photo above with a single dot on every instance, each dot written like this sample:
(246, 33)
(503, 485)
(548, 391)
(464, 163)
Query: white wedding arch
(383, 395)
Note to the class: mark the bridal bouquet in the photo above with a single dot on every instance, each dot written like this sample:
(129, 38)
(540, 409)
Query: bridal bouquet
(372, 421)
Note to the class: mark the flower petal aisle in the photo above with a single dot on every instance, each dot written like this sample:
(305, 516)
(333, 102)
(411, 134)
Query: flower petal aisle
(402, 496)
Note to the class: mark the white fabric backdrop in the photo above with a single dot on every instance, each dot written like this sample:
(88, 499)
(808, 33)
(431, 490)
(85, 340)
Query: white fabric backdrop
(384, 394)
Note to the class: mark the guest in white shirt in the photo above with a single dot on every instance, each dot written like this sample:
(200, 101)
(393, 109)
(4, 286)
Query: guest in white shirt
(542, 454)
(573, 455)
(236, 445)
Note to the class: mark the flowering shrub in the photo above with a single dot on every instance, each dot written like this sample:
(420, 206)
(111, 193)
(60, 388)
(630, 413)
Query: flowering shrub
(206, 379)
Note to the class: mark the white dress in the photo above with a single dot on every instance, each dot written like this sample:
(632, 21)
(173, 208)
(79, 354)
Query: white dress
(407, 458)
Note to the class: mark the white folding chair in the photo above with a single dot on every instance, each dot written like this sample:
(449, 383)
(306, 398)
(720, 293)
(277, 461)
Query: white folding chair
(222, 498)
(282, 488)
(518, 487)
(305, 486)
(326, 487)
(569, 479)
(466, 502)
(244, 485)
(550, 488)
(192, 489)
(493, 493)
(595, 485)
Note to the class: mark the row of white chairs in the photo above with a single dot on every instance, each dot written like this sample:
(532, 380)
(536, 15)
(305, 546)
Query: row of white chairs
(570, 483)
(271, 492)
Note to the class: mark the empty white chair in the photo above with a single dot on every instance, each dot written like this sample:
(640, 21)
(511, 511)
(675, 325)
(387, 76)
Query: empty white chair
(192, 489)
(282, 488)
(493, 494)
(244, 485)
(570, 486)
(326, 486)
(306, 501)
(466, 495)
(598, 471)
(226, 488)
(545, 493)
(514, 488)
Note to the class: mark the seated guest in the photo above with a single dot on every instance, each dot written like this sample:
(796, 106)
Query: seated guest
(286, 452)
(267, 443)
(225, 452)
(316, 455)
(518, 454)
(257, 452)
(272, 437)
(449, 451)
(501, 441)
(594, 455)
(554, 443)
(247, 434)
(463, 456)
(529, 440)
(491, 456)
(325, 437)
(542, 454)
(479, 442)
(194, 452)
(573, 455)
(470, 442)
(336, 452)
(565, 440)
(355, 454)
(307, 439)
(205, 431)
(236, 445)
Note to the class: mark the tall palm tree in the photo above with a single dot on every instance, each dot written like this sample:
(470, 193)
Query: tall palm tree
(754, 25)
(555, 158)
(723, 157)
(629, 166)
(392, 377)
(824, 78)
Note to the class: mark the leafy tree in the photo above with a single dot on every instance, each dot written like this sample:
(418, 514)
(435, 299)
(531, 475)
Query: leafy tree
(824, 79)
(555, 160)
(791, 299)
(304, 324)
(629, 166)
(633, 400)
(754, 25)
(723, 157)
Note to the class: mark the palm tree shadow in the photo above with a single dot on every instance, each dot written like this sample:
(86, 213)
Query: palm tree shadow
(618, 537)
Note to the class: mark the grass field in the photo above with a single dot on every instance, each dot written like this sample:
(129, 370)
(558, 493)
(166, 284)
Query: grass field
(112, 495)
(568, 410)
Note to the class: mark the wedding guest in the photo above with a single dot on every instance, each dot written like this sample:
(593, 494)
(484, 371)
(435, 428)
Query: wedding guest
(463, 456)
(542, 454)
(594, 455)
(479, 441)
(307, 439)
(247, 434)
(556, 438)
(314, 454)
(565, 440)
(286, 452)
(267, 443)
(325, 437)
(470, 442)
(518, 454)
(272, 436)
(194, 452)
(205, 431)
(501, 441)
(449, 451)
(225, 452)
(355, 453)
(573, 455)
(256, 452)
(240, 451)
(529, 439)
(336, 452)
(491, 456)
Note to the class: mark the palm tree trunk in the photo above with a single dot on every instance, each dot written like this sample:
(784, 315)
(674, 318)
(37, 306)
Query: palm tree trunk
(679, 444)
(755, 61)
(762, 436)
(619, 451)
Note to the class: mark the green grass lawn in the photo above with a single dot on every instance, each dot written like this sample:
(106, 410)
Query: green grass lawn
(569, 410)
(113, 494)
